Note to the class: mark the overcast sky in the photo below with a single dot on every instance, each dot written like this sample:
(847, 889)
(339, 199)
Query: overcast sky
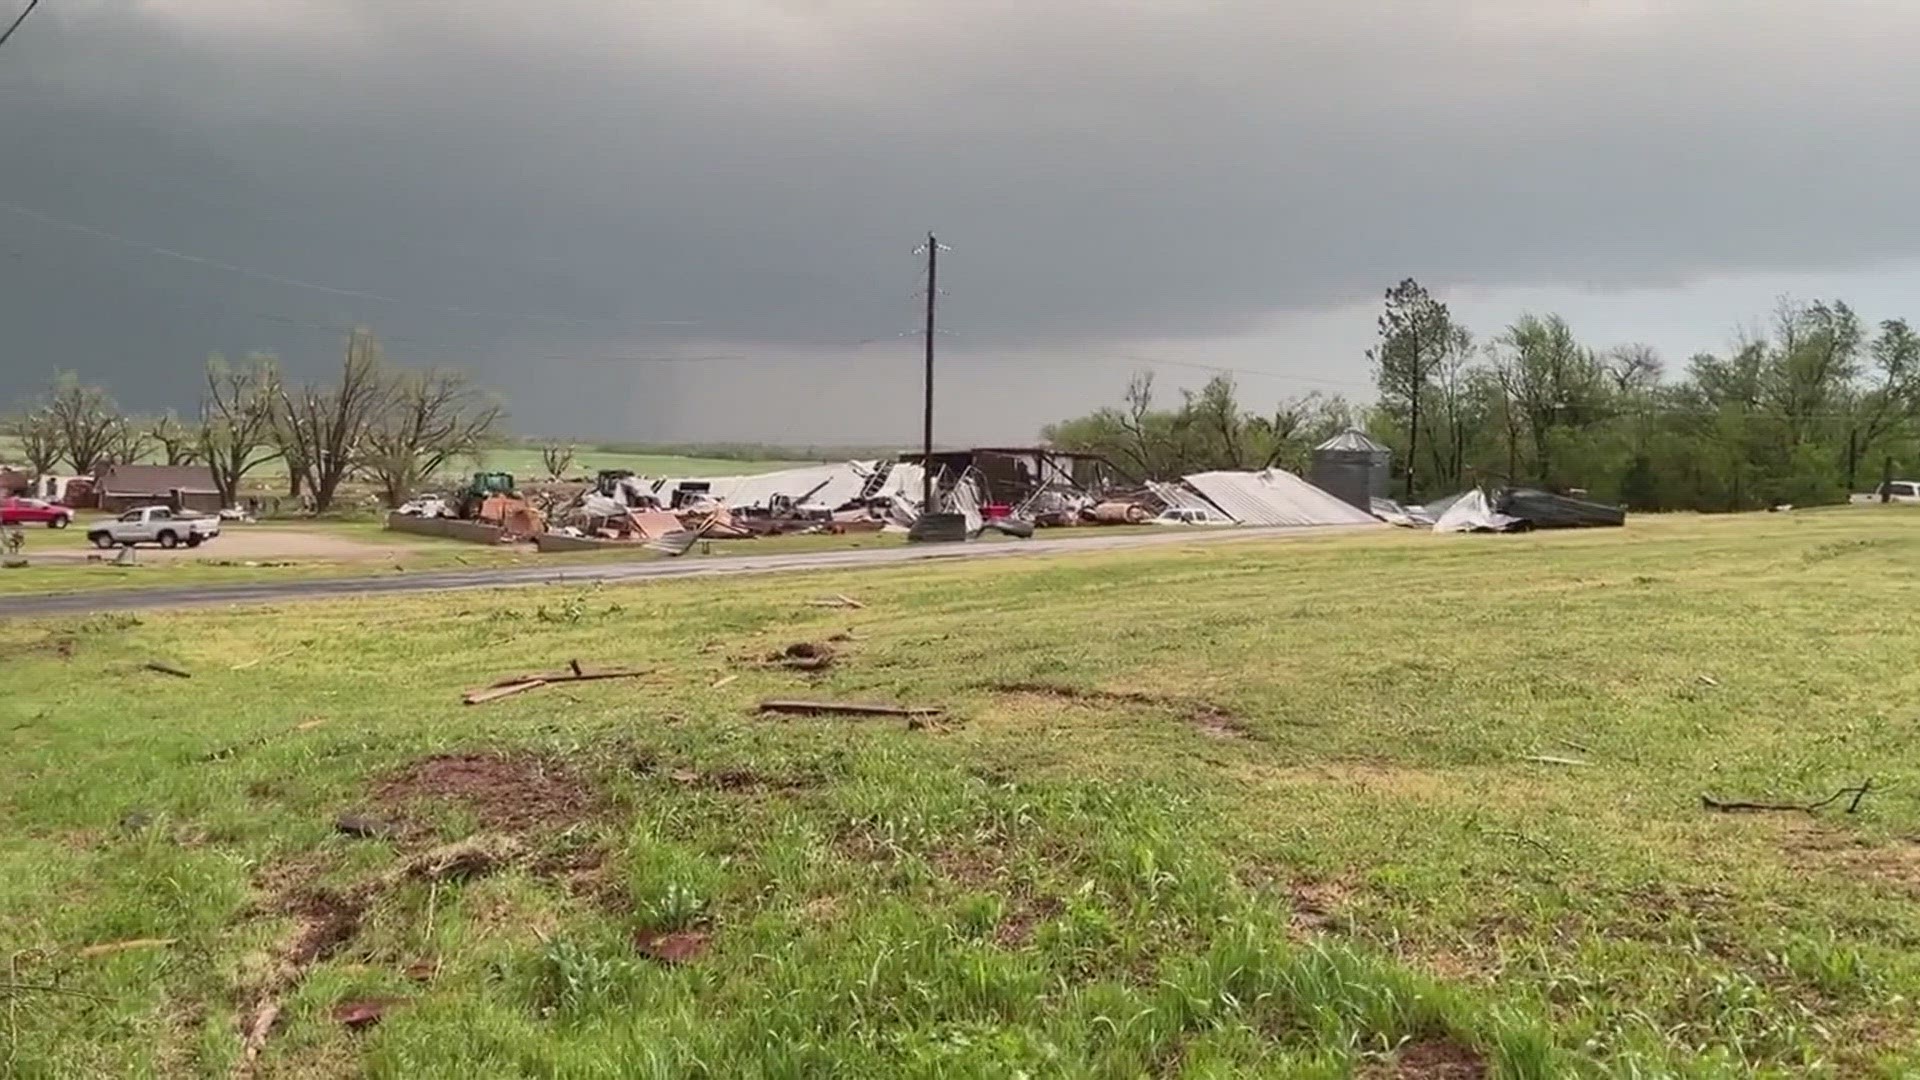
(693, 219)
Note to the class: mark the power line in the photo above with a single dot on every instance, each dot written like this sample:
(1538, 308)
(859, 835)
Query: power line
(28, 10)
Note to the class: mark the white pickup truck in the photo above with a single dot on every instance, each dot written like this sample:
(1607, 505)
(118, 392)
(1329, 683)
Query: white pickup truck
(1899, 491)
(154, 525)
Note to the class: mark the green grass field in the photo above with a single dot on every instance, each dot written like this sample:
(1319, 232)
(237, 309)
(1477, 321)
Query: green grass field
(1394, 805)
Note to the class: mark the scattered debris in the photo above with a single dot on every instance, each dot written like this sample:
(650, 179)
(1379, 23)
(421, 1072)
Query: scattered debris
(843, 708)
(422, 971)
(125, 946)
(728, 680)
(167, 669)
(462, 860)
(363, 827)
(671, 947)
(135, 820)
(1732, 807)
(362, 1014)
(1708, 680)
(1571, 745)
(804, 656)
(309, 725)
(1550, 759)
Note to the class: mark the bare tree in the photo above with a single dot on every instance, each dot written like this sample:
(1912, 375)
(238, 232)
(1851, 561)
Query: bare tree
(237, 416)
(178, 443)
(128, 441)
(1634, 368)
(323, 432)
(557, 459)
(430, 417)
(38, 435)
(87, 420)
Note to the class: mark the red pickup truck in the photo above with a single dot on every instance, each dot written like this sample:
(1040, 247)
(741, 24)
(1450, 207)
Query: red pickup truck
(14, 511)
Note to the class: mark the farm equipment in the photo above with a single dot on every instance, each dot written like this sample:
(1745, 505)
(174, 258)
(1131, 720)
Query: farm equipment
(483, 486)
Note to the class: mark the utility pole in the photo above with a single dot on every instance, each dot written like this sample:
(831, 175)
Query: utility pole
(926, 420)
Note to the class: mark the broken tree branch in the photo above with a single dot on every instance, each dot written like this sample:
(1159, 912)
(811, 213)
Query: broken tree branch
(495, 693)
(571, 675)
(843, 708)
(168, 669)
(1727, 806)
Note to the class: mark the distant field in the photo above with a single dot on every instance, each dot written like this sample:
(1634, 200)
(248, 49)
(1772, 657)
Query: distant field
(526, 464)
(1376, 806)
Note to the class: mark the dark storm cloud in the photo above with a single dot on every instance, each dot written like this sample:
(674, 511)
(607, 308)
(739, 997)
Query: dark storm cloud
(563, 194)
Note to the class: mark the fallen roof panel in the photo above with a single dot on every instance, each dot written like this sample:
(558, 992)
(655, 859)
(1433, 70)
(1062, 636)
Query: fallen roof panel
(1275, 497)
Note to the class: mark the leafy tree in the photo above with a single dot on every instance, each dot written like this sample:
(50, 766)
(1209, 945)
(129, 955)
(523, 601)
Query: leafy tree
(1417, 336)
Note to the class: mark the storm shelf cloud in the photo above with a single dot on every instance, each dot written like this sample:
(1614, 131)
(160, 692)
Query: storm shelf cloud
(685, 220)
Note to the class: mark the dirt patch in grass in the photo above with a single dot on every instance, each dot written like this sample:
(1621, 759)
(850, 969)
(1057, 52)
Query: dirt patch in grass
(1316, 905)
(61, 646)
(1371, 777)
(1818, 847)
(505, 793)
(1206, 717)
(1429, 1059)
(1024, 916)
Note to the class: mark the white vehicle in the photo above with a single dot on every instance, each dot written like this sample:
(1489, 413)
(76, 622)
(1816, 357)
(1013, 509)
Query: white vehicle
(1182, 515)
(1899, 491)
(154, 525)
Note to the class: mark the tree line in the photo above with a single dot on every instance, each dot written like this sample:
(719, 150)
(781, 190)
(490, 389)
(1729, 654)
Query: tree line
(395, 427)
(1817, 405)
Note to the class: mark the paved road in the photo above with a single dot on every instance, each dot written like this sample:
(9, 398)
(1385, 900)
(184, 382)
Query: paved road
(267, 592)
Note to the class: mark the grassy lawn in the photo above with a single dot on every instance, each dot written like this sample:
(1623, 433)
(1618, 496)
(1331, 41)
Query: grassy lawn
(1262, 808)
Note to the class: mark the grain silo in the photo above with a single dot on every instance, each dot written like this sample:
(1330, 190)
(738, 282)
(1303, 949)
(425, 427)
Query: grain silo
(1353, 467)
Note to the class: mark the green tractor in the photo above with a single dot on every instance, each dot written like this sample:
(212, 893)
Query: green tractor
(483, 486)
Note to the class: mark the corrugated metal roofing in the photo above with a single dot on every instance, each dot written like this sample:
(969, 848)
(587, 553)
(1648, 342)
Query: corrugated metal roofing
(830, 485)
(1275, 497)
(1355, 440)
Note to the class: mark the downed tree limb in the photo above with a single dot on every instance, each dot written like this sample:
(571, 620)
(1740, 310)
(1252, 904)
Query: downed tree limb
(168, 669)
(495, 693)
(837, 600)
(572, 674)
(1550, 759)
(844, 708)
(1726, 806)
